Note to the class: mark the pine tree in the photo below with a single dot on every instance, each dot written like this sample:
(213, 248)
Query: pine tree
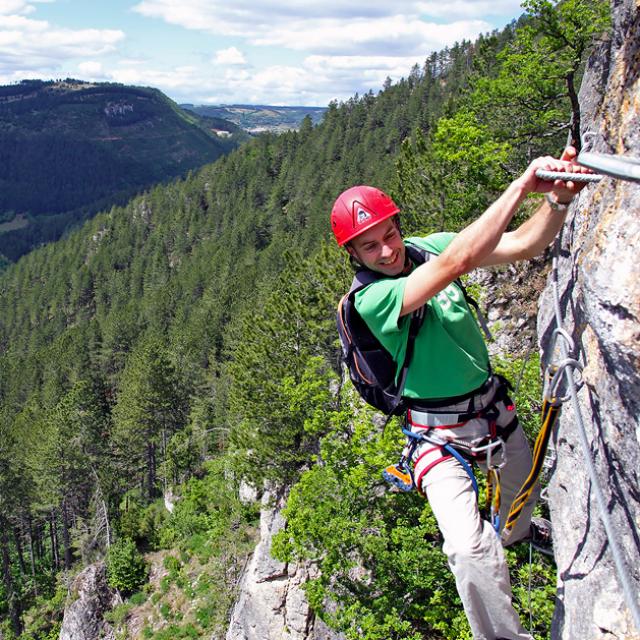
(151, 406)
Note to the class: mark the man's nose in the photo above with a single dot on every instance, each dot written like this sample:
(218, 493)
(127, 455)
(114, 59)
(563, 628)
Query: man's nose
(386, 251)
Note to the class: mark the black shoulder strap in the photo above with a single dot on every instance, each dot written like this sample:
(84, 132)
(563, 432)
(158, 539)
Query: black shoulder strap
(417, 254)
(417, 318)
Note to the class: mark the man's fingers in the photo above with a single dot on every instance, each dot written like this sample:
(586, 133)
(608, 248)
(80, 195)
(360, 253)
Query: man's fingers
(569, 153)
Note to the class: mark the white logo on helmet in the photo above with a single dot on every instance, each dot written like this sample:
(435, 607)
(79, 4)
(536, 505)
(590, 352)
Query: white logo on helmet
(363, 216)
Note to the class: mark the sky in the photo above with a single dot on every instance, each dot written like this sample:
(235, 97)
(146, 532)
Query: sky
(275, 52)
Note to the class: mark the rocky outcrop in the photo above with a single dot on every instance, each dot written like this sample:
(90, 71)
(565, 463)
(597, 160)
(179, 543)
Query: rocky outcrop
(272, 604)
(508, 299)
(92, 597)
(599, 289)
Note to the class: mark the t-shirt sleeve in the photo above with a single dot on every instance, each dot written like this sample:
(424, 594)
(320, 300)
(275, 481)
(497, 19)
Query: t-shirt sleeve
(380, 304)
(436, 242)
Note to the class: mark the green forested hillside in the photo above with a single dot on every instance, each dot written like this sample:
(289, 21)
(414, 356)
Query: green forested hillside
(185, 341)
(69, 149)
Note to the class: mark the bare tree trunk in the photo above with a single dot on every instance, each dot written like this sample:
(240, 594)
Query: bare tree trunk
(66, 538)
(17, 536)
(32, 558)
(54, 540)
(100, 499)
(40, 536)
(164, 460)
(106, 522)
(151, 470)
(576, 124)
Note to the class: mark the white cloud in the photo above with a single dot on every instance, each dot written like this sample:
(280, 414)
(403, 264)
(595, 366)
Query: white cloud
(230, 56)
(317, 81)
(349, 47)
(28, 46)
(219, 16)
(324, 50)
(277, 84)
(470, 8)
(168, 80)
(355, 27)
(91, 70)
(12, 7)
(398, 35)
(371, 71)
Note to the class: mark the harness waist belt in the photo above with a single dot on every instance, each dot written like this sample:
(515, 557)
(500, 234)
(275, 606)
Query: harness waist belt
(421, 404)
(440, 420)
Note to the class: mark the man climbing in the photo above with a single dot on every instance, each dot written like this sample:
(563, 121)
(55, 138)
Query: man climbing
(449, 387)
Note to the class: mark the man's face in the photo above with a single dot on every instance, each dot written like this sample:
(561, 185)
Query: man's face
(380, 248)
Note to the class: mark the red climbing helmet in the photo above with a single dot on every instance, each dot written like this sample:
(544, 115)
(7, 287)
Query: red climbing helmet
(358, 209)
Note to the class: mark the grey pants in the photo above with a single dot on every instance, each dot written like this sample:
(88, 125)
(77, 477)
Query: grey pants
(473, 548)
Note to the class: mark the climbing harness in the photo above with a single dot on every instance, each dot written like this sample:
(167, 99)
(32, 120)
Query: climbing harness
(401, 475)
(447, 446)
(476, 443)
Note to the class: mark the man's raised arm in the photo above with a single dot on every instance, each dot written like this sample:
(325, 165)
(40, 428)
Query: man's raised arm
(484, 242)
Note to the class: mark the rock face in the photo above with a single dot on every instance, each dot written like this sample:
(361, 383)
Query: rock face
(83, 618)
(272, 604)
(599, 289)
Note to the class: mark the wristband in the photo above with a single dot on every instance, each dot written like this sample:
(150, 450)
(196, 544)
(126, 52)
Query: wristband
(555, 205)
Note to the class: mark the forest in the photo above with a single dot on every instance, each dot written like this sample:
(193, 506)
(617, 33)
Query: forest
(184, 343)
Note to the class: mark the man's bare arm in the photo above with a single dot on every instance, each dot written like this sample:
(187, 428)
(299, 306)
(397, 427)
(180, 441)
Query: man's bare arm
(481, 243)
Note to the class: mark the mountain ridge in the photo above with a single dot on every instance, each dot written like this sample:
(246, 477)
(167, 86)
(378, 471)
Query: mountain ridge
(71, 148)
(257, 118)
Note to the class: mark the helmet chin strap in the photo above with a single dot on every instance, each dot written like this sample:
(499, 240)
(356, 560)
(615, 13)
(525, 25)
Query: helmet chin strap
(355, 263)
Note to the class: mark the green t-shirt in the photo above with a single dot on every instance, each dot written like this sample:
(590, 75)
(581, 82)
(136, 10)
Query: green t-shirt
(450, 356)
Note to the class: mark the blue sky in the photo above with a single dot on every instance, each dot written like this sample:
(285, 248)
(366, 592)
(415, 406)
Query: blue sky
(279, 52)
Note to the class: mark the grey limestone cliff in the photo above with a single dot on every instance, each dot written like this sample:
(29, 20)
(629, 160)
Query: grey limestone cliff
(92, 597)
(599, 292)
(272, 604)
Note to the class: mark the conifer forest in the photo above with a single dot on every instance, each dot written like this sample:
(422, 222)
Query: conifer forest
(184, 343)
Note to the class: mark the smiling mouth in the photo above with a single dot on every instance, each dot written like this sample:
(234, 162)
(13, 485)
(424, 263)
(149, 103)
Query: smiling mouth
(389, 263)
